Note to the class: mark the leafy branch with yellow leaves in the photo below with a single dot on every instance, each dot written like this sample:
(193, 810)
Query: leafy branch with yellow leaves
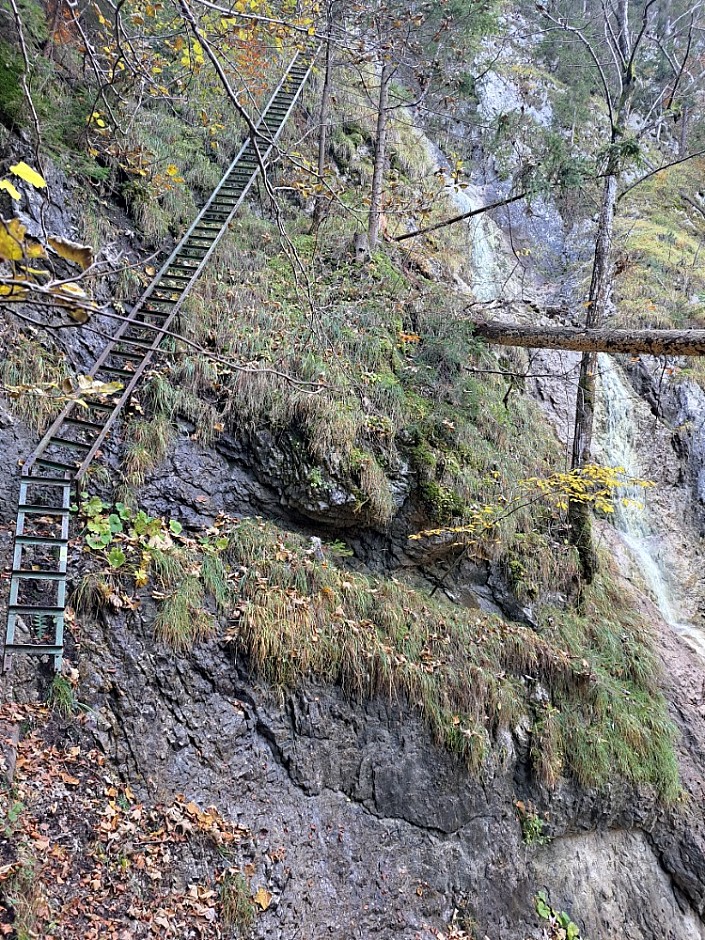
(592, 485)
(20, 276)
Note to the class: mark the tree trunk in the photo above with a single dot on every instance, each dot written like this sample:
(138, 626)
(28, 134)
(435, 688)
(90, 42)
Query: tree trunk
(320, 203)
(380, 157)
(579, 515)
(593, 341)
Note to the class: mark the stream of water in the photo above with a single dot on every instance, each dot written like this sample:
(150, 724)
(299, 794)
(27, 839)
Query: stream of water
(618, 446)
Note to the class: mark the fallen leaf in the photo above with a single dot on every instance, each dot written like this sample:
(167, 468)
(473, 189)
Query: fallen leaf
(79, 315)
(262, 899)
(9, 188)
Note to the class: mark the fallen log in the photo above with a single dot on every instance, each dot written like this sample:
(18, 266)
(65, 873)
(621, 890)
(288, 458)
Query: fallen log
(633, 342)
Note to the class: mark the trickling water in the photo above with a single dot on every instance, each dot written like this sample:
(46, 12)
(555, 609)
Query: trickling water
(617, 443)
(491, 274)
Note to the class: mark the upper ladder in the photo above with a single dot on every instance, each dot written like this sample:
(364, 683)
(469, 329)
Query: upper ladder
(35, 619)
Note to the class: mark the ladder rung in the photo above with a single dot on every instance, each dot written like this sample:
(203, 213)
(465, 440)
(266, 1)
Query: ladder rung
(31, 609)
(100, 406)
(33, 649)
(27, 574)
(138, 343)
(55, 464)
(31, 509)
(113, 370)
(82, 423)
(39, 540)
(45, 481)
(65, 442)
(124, 354)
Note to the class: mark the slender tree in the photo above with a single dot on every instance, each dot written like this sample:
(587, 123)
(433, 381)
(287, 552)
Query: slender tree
(620, 53)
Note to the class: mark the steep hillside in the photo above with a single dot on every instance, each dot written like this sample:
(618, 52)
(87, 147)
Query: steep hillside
(330, 666)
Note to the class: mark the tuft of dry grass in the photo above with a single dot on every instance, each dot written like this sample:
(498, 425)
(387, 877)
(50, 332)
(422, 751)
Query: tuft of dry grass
(36, 369)
(466, 673)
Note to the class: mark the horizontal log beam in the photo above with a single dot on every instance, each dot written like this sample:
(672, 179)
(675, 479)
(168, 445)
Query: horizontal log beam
(633, 342)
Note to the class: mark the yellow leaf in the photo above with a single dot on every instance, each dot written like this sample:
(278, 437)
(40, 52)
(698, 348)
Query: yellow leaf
(12, 290)
(27, 174)
(72, 251)
(141, 577)
(72, 289)
(12, 235)
(79, 315)
(9, 188)
(262, 899)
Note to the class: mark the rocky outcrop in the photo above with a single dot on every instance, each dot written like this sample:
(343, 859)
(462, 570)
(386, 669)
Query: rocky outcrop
(363, 826)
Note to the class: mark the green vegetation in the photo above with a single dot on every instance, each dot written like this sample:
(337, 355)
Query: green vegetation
(560, 925)
(238, 909)
(134, 545)
(149, 438)
(467, 674)
(661, 280)
(622, 727)
(402, 385)
(11, 95)
(31, 366)
(23, 894)
(532, 825)
(181, 620)
(61, 696)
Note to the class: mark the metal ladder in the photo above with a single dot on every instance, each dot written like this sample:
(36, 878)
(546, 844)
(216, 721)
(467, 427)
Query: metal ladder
(35, 618)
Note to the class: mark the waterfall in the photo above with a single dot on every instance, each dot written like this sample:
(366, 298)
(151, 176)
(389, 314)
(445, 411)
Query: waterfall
(492, 268)
(617, 443)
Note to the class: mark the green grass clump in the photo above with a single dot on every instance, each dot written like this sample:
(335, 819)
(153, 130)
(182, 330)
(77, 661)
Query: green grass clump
(661, 280)
(237, 907)
(181, 620)
(35, 371)
(61, 696)
(467, 674)
(91, 593)
(11, 94)
(620, 723)
(149, 438)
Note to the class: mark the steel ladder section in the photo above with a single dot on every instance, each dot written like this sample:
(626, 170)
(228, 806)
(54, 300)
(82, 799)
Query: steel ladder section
(35, 620)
